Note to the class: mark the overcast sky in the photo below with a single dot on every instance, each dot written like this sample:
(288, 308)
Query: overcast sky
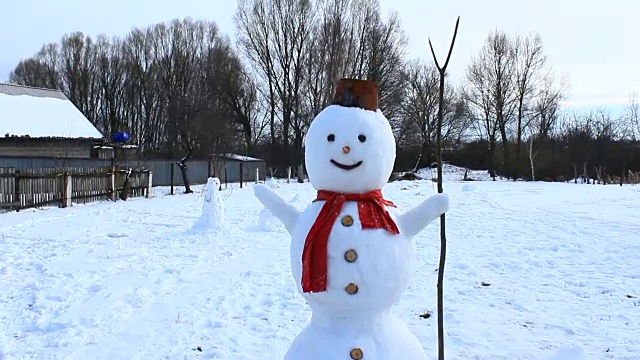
(592, 42)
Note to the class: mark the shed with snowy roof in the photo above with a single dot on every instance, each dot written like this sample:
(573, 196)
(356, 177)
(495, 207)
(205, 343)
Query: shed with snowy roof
(36, 122)
(237, 166)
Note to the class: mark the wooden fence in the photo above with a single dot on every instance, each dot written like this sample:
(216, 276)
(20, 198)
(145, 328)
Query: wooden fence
(29, 188)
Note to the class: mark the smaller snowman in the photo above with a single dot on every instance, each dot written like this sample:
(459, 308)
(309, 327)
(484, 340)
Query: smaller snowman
(352, 250)
(212, 216)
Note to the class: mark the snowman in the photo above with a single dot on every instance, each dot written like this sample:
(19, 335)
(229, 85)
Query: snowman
(352, 251)
(212, 208)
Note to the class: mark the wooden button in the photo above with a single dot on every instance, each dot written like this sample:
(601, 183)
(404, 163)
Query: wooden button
(347, 220)
(351, 288)
(350, 255)
(356, 354)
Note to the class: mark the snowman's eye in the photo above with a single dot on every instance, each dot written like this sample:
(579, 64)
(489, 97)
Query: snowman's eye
(362, 138)
(331, 137)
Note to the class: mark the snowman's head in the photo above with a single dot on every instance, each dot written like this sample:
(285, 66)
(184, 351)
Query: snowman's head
(213, 182)
(349, 149)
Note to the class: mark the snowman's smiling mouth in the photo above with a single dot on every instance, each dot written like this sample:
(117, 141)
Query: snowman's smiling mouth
(346, 167)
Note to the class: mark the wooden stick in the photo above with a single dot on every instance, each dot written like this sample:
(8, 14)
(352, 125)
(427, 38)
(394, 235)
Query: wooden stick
(443, 238)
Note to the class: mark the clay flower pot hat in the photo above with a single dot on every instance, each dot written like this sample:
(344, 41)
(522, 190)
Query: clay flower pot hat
(356, 93)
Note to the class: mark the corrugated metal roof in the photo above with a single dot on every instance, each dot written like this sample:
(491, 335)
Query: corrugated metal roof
(12, 89)
(41, 113)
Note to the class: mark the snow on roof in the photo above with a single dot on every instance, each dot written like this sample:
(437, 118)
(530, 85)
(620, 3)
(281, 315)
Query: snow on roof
(237, 157)
(42, 116)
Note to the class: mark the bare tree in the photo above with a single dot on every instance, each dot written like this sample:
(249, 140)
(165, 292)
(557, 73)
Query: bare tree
(499, 53)
(632, 117)
(545, 114)
(420, 110)
(110, 84)
(479, 98)
(78, 69)
(273, 35)
(145, 120)
(299, 50)
(40, 70)
(375, 50)
(530, 62)
(492, 76)
(238, 94)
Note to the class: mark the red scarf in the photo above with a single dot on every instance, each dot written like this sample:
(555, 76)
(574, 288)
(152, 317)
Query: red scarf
(372, 214)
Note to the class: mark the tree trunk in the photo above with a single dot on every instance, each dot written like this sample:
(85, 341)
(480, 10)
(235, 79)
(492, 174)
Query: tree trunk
(533, 173)
(183, 165)
(554, 175)
(519, 141)
(506, 171)
(490, 155)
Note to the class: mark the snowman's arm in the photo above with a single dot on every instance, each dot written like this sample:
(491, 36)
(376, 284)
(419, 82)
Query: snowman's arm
(282, 210)
(413, 221)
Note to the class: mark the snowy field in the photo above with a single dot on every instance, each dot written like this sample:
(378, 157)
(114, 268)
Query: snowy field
(534, 271)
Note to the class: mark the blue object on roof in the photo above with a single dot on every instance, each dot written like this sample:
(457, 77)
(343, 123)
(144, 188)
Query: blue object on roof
(120, 136)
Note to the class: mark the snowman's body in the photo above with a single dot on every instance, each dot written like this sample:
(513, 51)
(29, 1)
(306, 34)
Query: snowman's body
(378, 337)
(212, 208)
(379, 264)
(352, 151)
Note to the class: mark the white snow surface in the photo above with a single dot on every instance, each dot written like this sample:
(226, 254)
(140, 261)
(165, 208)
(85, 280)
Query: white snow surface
(22, 115)
(127, 280)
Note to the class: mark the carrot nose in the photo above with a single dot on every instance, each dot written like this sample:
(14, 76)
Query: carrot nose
(346, 149)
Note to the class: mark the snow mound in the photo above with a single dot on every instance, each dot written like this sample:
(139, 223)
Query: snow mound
(452, 173)
(569, 353)
(273, 183)
(468, 187)
(267, 222)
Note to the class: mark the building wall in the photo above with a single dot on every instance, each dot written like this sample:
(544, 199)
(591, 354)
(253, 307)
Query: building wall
(53, 149)
(198, 170)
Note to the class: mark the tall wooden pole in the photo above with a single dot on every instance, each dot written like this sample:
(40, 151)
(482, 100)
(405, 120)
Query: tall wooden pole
(443, 238)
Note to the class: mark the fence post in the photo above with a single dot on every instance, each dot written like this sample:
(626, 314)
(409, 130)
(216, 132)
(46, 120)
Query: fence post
(257, 175)
(172, 171)
(67, 191)
(16, 190)
(288, 174)
(241, 174)
(114, 196)
(149, 184)
(226, 181)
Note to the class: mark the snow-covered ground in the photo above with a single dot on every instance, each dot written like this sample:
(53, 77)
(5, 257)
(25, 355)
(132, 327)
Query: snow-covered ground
(533, 270)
